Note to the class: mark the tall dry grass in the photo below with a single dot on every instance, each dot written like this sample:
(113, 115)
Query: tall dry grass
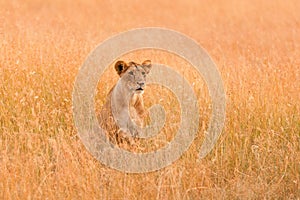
(256, 47)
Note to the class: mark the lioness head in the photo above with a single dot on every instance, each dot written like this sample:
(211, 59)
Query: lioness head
(133, 75)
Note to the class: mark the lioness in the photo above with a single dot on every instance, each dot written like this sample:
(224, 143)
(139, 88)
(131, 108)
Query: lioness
(123, 114)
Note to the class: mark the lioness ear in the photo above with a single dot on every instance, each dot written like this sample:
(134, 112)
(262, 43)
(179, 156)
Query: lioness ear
(147, 65)
(120, 66)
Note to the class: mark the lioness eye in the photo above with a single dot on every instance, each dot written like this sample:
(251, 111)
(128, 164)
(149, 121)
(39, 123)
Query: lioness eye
(131, 72)
(143, 73)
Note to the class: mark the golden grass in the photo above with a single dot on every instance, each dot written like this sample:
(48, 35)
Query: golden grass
(256, 47)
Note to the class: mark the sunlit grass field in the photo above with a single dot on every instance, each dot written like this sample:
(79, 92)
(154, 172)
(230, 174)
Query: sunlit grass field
(256, 46)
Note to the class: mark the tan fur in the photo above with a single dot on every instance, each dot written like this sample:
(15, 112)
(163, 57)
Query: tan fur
(129, 88)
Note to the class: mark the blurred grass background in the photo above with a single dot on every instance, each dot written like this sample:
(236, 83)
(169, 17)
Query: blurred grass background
(256, 46)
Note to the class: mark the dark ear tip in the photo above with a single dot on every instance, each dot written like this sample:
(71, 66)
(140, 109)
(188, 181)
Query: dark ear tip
(147, 62)
(119, 66)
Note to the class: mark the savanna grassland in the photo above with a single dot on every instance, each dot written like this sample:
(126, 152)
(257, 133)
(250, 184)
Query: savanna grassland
(256, 46)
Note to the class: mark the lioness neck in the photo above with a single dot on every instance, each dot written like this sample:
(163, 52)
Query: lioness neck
(123, 96)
